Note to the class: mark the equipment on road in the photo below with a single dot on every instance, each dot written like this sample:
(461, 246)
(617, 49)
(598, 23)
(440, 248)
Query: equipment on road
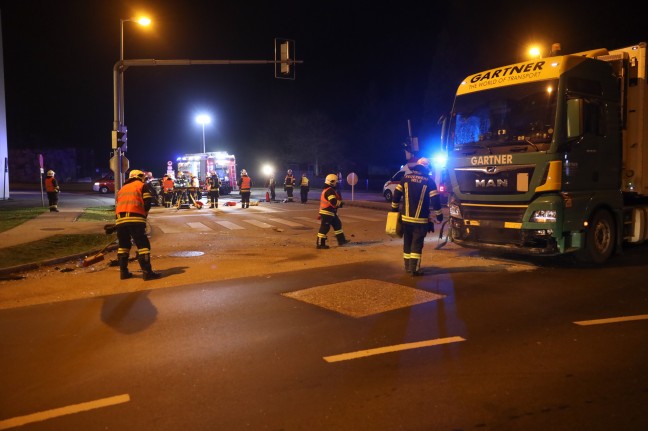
(91, 260)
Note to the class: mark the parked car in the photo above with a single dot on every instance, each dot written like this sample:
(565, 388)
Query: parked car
(105, 185)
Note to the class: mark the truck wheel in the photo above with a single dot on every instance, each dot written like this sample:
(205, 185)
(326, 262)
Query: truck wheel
(600, 239)
(388, 195)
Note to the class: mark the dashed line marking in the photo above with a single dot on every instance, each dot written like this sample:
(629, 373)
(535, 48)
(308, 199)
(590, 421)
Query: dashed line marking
(62, 411)
(612, 320)
(390, 349)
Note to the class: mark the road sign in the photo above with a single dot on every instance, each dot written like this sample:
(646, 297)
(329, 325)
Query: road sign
(114, 160)
(352, 179)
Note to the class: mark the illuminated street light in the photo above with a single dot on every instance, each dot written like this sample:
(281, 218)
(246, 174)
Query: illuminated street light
(203, 119)
(119, 130)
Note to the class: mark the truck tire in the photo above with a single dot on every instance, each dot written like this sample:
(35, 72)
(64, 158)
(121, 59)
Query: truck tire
(388, 195)
(600, 239)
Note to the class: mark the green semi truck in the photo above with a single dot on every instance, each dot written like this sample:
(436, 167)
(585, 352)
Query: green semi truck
(550, 156)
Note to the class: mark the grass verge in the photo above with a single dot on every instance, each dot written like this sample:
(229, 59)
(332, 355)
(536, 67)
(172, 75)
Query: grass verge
(57, 246)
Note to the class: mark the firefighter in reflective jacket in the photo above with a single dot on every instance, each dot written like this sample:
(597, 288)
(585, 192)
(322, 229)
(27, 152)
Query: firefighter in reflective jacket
(330, 201)
(167, 190)
(245, 187)
(52, 189)
(289, 184)
(213, 189)
(418, 192)
(131, 209)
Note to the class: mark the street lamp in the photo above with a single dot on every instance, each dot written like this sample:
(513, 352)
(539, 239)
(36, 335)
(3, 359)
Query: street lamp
(203, 119)
(119, 129)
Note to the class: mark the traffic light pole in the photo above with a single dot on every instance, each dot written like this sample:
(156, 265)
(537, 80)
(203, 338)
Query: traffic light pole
(118, 162)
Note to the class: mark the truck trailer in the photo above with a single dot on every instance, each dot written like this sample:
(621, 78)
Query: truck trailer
(550, 156)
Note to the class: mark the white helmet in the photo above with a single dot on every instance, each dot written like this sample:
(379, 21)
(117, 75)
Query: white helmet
(289, 171)
(135, 173)
(50, 173)
(331, 180)
(243, 172)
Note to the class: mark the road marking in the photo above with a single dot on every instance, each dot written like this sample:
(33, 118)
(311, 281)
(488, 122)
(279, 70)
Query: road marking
(259, 224)
(389, 349)
(363, 218)
(229, 225)
(286, 222)
(198, 226)
(309, 219)
(62, 411)
(612, 320)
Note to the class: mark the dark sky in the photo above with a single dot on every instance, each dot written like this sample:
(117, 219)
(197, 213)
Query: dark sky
(368, 67)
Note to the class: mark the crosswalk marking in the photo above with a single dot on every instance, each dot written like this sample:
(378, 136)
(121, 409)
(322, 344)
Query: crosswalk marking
(286, 222)
(258, 223)
(346, 216)
(309, 219)
(198, 226)
(229, 225)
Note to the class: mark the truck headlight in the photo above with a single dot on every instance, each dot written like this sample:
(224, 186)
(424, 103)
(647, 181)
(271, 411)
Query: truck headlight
(544, 216)
(454, 210)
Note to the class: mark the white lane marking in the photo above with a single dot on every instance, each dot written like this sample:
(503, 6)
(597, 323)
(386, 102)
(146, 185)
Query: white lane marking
(198, 226)
(259, 224)
(612, 320)
(389, 349)
(62, 411)
(286, 222)
(229, 225)
(309, 219)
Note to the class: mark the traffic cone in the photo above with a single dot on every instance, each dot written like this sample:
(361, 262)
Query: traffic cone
(267, 196)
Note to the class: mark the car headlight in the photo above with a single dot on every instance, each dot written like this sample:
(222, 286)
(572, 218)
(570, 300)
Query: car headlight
(544, 216)
(454, 210)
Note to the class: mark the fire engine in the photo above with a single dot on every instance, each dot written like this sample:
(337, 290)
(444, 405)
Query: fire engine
(201, 164)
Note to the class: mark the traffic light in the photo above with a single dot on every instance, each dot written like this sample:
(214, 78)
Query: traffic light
(285, 64)
(119, 138)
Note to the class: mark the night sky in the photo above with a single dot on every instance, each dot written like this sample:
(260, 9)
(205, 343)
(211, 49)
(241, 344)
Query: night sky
(368, 68)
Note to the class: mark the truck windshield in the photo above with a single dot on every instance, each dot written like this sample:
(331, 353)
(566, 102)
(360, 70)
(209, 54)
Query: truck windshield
(515, 118)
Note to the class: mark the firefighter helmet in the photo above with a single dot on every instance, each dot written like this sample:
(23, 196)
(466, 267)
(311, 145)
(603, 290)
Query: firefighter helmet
(50, 173)
(135, 173)
(331, 179)
(243, 172)
(423, 162)
(289, 171)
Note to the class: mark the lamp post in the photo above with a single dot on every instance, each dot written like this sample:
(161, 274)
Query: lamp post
(203, 119)
(119, 129)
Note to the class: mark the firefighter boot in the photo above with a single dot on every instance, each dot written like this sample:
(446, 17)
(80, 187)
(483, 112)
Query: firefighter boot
(341, 239)
(408, 269)
(415, 267)
(321, 243)
(123, 266)
(145, 263)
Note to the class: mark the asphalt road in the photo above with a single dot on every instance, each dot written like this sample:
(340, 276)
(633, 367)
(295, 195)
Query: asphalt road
(265, 332)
